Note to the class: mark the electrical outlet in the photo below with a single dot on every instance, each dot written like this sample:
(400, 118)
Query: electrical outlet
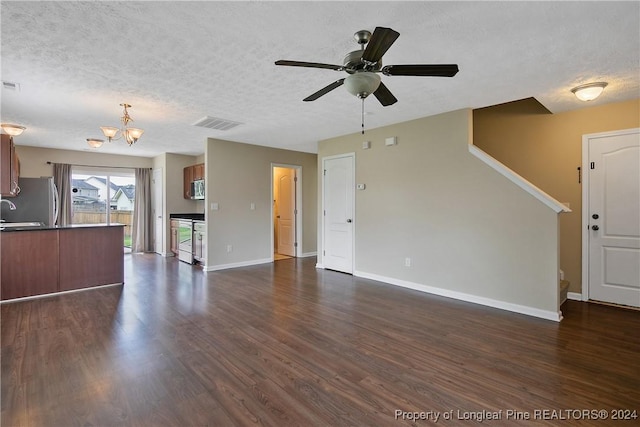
(407, 262)
(229, 248)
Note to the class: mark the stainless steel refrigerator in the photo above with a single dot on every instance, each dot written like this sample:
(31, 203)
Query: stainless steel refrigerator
(36, 202)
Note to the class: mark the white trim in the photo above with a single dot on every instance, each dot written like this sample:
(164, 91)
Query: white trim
(309, 254)
(585, 200)
(516, 308)
(237, 264)
(53, 294)
(574, 296)
(352, 155)
(319, 265)
(518, 180)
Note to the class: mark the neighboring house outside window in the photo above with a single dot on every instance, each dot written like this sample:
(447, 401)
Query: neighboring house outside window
(123, 199)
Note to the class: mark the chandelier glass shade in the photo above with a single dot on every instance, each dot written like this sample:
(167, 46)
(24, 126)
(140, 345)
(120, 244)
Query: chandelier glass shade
(130, 135)
(13, 130)
(94, 143)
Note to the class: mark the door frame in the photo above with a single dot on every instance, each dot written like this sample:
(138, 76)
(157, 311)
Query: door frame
(352, 155)
(585, 200)
(298, 208)
(157, 183)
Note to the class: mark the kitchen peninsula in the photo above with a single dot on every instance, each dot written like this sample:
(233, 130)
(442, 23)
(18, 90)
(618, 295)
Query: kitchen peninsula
(48, 260)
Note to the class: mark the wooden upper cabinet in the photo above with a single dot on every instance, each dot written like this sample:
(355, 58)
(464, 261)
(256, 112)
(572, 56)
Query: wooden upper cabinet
(9, 167)
(192, 173)
(188, 177)
(198, 171)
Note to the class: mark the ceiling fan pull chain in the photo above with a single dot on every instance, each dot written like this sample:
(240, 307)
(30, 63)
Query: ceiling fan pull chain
(363, 116)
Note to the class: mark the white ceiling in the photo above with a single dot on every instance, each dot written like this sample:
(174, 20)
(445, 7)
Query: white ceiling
(177, 62)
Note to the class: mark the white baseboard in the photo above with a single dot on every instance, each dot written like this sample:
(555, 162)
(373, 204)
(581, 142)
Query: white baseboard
(237, 264)
(575, 296)
(308, 254)
(516, 308)
(55, 294)
(319, 265)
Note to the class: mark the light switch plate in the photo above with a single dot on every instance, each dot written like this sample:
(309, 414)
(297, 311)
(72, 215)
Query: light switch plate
(214, 206)
(366, 145)
(391, 141)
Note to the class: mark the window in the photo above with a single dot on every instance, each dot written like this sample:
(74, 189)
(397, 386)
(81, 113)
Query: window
(103, 196)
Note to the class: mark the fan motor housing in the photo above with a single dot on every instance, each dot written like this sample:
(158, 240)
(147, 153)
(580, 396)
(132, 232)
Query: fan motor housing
(353, 63)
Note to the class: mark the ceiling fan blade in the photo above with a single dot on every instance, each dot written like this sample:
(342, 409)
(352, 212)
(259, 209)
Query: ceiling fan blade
(324, 90)
(384, 95)
(309, 65)
(435, 70)
(380, 41)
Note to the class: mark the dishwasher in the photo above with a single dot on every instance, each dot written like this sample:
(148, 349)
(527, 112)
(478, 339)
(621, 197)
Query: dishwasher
(185, 242)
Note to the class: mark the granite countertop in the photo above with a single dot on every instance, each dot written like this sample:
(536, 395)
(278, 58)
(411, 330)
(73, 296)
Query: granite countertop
(57, 227)
(191, 216)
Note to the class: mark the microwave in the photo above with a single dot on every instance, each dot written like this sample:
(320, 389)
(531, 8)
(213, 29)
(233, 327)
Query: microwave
(197, 189)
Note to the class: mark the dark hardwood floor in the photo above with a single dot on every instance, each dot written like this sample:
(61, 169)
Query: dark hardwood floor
(284, 344)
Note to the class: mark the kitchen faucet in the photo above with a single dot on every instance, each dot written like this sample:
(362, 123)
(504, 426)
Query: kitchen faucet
(11, 205)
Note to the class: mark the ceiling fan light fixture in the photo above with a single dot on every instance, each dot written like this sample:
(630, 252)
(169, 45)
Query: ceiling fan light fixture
(94, 143)
(13, 130)
(589, 92)
(362, 84)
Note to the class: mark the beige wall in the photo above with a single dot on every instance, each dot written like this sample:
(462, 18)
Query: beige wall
(33, 160)
(470, 232)
(546, 149)
(238, 175)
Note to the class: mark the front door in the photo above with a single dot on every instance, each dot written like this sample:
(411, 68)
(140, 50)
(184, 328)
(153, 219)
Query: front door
(338, 213)
(614, 217)
(285, 215)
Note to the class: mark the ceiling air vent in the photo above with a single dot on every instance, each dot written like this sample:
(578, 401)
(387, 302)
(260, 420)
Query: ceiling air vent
(11, 86)
(216, 123)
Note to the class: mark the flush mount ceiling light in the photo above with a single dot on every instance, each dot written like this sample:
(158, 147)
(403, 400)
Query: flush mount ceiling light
(589, 92)
(130, 135)
(94, 143)
(13, 130)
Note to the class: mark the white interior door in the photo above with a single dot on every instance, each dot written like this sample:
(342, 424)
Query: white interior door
(159, 246)
(338, 209)
(285, 217)
(614, 218)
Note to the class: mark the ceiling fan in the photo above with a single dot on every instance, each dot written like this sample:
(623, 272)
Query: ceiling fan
(364, 66)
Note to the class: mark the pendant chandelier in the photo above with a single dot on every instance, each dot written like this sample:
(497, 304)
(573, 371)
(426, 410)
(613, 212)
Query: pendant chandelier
(131, 135)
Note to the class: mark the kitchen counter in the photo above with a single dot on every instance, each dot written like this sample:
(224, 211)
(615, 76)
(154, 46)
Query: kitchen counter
(191, 216)
(49, 260)
(57, 227)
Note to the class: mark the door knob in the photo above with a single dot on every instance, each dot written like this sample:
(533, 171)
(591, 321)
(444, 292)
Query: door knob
(595, 216)
(349, 220)
(595, 227)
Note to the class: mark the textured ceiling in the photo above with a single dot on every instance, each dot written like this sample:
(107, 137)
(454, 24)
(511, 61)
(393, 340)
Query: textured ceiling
(177, 62)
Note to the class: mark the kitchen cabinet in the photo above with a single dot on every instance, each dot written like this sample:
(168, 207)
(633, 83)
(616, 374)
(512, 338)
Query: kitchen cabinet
(9, 167)
(190, 174)
(200, 241)
(50, 260)
(198, 171)
(187, 179)
(30, 263)
(175, 224)
(91, 257)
